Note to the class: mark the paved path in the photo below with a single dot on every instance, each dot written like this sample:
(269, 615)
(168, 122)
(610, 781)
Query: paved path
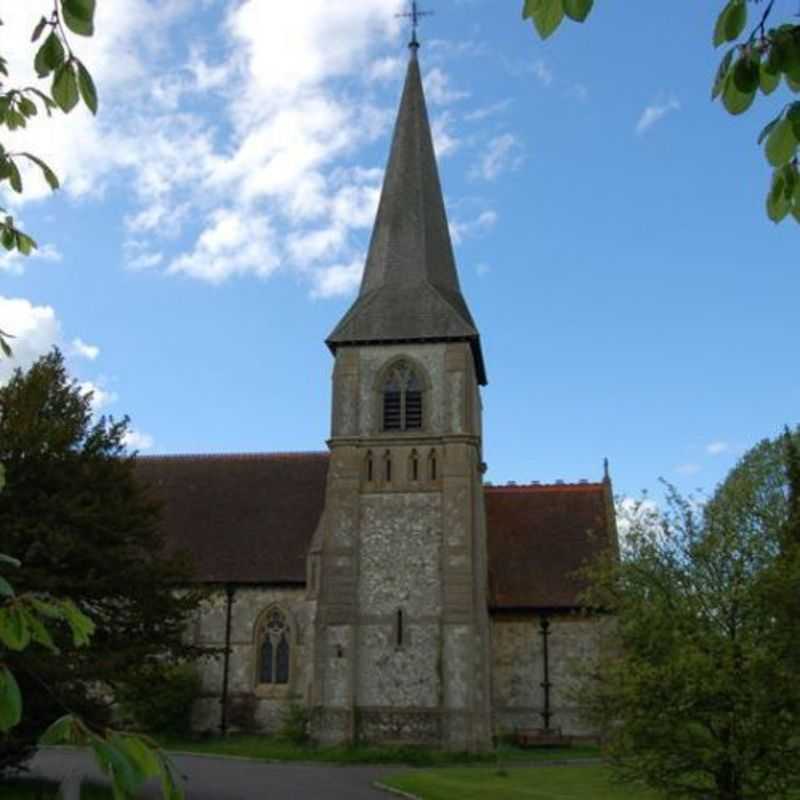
(233, 779)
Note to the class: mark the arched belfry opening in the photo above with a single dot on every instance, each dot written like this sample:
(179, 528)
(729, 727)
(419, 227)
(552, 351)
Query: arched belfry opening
(402, 398)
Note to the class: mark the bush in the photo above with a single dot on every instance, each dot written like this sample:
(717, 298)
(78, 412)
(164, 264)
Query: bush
(295, 722)
(159, 698)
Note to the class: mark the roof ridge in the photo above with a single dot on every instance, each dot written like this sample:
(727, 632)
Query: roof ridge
(543, 487)
(233, 456)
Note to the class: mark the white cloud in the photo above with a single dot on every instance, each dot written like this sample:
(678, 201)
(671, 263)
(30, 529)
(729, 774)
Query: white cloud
(502, 153)
(35, 329)
(232, 243)
(488, 111)
(484, 222)
(385, 69)
(635, 513)
(717, 448)
(688, 469)
(137, 440)
(438, 90)
(81, 349)
(13, 262)
(655, 112)
(543, 72)
(445, 142)
(338, 279)
(101, 398)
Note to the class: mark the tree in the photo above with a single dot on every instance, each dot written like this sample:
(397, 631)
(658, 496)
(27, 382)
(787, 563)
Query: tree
(756, 62)
(85, 532)
(70, 82)
(698, 691)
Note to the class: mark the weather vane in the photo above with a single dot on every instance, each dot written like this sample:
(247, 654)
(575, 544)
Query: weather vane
(414, 15)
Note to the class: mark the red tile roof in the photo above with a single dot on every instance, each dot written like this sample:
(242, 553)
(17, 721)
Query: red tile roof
(249, 518)
(539, 537)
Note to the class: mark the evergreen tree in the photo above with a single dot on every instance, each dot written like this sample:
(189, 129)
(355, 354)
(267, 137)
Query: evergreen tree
(698, 688)
(83, 529)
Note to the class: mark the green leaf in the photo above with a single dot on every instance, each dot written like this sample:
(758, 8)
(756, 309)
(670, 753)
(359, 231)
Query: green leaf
(578, 9)
(730, 22)
(768, 80)
(140, 753)
(15, 179)
(792, 83)
(50, 55)
(793, 115)
(528, 8)
(115, 762)
(86, 85)
(777, 204)
(37, 31)
(722, 71)
(746, 74)
(27, 107)
(14, 632)
(767, 128)
(39, 633)
(6, 589)
(68, 729)
(49, 175)
(79, 16)
(81, 626)
(65, 88)
(736, 102)
(547, 16)
(781, 143)
(10, 700)
(4, 559)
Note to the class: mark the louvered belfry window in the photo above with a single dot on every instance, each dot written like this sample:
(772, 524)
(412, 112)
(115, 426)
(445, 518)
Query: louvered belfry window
(402, 399)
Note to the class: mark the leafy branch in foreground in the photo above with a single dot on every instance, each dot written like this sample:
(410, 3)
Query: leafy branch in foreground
(764, 58)
(128, 759)
(70, 82)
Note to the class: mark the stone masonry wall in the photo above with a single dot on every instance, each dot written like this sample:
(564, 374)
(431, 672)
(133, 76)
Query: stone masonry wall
(519, 670)
(251, 706)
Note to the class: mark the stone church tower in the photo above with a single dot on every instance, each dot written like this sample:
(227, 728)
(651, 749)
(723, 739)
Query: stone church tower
(397, 567)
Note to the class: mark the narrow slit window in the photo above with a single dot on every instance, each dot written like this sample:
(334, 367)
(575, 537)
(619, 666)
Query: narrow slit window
(370, 467)
(387, 467)
(402, 399)
(399, 627)
(432, 465)
(414, 466)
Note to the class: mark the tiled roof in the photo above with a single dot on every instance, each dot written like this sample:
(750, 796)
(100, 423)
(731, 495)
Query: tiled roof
(243, 518)
(249, 518)
(410, 289)
(539, 537)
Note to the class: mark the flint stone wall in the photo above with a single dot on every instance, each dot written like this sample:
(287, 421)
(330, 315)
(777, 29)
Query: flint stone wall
(250, 706)
(518, 697)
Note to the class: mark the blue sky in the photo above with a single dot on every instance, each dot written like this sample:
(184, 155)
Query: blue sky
(634, 300)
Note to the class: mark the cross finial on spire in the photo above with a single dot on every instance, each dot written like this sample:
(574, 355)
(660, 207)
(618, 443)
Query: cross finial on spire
(414, 15)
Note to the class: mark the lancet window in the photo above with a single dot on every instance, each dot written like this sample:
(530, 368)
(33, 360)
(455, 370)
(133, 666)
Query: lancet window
(274, 651)
(402, 399)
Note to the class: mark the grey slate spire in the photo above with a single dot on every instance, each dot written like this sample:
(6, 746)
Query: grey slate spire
(410, 290)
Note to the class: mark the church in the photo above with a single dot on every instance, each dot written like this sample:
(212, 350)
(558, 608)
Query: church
(382, 585)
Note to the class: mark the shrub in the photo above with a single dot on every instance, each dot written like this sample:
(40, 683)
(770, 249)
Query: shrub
(295, 722)
(159, 697)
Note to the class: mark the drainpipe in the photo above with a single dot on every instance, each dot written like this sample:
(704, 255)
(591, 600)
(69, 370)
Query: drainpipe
(544, 631)
(223, 724)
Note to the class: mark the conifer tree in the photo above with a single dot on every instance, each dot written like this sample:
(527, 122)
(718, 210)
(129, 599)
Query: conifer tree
(83, 529)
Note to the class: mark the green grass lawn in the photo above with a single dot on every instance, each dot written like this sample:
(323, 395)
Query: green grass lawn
(21, 789)
(538, 783)
(274, 749)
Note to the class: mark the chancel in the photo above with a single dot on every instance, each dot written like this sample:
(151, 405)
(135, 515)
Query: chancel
(381, 584)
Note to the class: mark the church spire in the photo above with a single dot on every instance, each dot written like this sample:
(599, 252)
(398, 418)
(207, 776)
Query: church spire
(410, 290)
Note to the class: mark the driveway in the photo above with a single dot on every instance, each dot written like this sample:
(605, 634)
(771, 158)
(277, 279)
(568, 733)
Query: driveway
(208, 778)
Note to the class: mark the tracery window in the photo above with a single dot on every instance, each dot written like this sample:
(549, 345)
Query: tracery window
(402, 399)
(274, 652)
